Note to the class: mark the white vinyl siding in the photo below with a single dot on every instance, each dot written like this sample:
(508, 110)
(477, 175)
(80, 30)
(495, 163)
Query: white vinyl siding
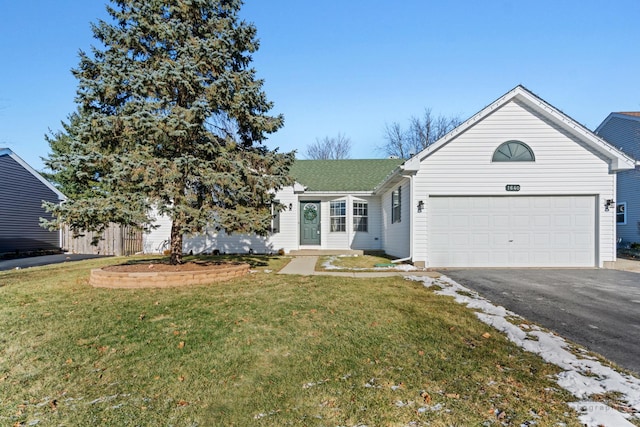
(352, 239)
(563, 166)
(396, 236)
(211, 240)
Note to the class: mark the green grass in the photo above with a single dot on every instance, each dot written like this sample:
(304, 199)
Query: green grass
(266, 350)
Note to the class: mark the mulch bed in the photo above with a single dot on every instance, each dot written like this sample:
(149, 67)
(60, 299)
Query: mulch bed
(151, 267)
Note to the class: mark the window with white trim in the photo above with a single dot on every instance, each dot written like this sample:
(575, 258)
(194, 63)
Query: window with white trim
(621, 213)
(513, 151)
(360, 216)
(396, 203)
(338, 216)
(275, 216)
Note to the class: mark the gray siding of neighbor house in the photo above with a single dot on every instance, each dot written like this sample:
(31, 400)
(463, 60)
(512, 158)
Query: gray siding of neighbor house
(21, 196)
(624, 133)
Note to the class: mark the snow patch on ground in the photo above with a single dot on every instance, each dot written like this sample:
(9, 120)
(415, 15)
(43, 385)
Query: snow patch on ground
(582, 376)
(328, 265)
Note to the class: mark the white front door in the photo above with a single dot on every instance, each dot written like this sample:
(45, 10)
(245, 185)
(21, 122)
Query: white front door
(515, 231)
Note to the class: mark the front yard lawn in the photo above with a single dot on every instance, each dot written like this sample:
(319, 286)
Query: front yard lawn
(264, 350)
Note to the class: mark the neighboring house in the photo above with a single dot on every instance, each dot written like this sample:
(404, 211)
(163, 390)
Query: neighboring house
(622, 130)
(519, 184)
(22, 191)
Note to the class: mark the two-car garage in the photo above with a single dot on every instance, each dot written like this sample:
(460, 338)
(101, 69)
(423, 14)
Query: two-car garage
(512, 231)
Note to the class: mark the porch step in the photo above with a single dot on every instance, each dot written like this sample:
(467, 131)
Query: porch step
(320, 252)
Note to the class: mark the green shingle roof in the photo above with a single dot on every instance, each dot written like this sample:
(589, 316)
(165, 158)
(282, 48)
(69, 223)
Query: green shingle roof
(343, 175)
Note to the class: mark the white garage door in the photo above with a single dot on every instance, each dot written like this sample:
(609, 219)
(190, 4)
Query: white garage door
(527, 231)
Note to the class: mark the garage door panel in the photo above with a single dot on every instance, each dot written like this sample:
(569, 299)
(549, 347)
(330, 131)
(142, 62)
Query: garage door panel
(498, 203)
(582, 220)
(481, 240)
(499, 240)
(542, 203)
(541, 240)
(520, 231)
(541, 221)
(440, 221)
(498, 220)
(562, 221)
(541, 258)
(562, 203)
(562, 240)
(460, 221)
(520, 258)
(480, 220)
(439, 240)
(520, 240)
(521, 221)
(583, 239)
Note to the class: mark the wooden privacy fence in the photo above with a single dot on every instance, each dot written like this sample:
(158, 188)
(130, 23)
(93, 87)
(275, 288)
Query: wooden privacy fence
(116, 240)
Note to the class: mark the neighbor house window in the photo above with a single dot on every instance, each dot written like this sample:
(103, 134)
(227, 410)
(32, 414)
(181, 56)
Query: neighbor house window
(513, 151)
(275, 217)
(360, 216)
(338, 216)
(396, 203)
(621, 213)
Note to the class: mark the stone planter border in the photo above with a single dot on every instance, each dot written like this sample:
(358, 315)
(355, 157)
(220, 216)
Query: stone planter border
(101, 278)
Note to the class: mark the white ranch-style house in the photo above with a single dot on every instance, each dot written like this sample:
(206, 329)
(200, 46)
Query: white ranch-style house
(519, 184)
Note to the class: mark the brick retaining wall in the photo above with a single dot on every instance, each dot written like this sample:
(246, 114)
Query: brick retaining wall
(100, 278)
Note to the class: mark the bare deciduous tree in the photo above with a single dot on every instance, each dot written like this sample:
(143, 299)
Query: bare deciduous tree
(330, 148)
(422, 132)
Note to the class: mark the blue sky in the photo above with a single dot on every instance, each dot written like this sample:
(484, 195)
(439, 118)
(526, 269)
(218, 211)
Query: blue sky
(351, 66)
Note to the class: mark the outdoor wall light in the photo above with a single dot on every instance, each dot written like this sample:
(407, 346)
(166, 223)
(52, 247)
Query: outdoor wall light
(290, 206)
(420, 206)
(607, 204)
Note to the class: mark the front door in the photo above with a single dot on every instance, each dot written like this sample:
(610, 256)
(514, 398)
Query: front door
(309, 223)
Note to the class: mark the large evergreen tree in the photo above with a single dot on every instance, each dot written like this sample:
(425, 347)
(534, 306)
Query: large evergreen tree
(170, 116)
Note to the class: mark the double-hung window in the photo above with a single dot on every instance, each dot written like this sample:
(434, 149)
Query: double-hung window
(621, 213)
(338, 216)
(396, 203)
(275, 217)
(360, 216)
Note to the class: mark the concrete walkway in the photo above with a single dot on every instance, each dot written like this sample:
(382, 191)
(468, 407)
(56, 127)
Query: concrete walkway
(306, 266)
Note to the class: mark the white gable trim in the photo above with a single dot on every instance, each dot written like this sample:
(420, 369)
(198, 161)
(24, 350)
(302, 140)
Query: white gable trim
(618, 160)
(25, 165)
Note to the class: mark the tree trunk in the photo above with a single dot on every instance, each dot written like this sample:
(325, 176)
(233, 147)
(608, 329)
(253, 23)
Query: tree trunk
(176, 244)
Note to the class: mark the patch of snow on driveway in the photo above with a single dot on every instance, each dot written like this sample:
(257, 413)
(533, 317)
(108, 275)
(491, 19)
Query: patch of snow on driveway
(581, 376)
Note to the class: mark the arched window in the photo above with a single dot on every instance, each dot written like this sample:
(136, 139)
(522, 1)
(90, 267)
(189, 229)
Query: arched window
(513, 151)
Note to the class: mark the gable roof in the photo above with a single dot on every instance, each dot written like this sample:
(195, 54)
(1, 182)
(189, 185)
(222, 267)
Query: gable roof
(631, 115)
(618, 160)
(25, 165)
(349, 175)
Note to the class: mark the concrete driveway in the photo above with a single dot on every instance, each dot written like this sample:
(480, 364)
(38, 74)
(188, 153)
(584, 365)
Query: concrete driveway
(597, 308)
